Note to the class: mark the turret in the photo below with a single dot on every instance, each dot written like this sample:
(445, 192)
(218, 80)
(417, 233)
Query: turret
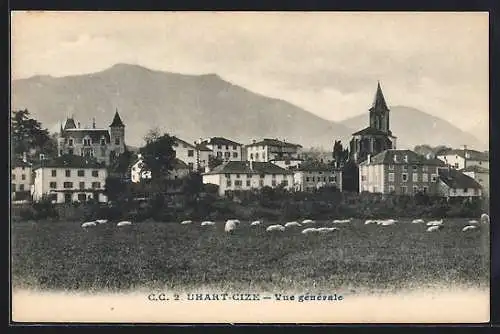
(117, 134)
(379, 112)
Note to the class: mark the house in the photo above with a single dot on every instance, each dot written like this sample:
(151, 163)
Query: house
(377, 137)
(21, 179)
(281, 153)
(460, 159)
(99, 143)
(481, 175)
(186, 152)
(139, 171)
(400, 172)
(453, 184)
(315, 175)
(69, 178)
(224, 149)
(248, 175)
(203, 156)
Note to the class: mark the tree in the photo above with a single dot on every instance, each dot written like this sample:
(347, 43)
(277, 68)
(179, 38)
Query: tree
(214, 161)
(120, 164)
(158, 155)
(340, 155)
(350, 176)
(27, 133)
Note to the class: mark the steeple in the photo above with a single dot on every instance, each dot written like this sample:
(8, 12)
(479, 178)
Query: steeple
(117, 121)
(70, 124)
(379, 101)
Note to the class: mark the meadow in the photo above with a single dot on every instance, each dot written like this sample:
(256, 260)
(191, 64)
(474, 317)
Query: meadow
(357, 258)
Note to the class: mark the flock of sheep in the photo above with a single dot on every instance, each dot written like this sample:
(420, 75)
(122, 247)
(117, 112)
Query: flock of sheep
(232, 224)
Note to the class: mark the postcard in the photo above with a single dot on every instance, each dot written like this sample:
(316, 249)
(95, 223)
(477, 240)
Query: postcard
(249, 167)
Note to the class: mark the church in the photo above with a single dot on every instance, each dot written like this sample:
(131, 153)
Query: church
(377, 137)
(100, 143)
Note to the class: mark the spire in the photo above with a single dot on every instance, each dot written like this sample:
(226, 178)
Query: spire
(117, 121)
(70, 123)
(379, 101)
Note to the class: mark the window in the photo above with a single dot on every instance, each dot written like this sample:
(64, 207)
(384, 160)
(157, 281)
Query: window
(103, 151)
(190, 153)
(414, 177)
(425, 177)
(434, 178)
(13, 176)
(425, 189)
(466, 190)
(82, 197)
(227, 175)
(403, 189)
(81, 172)
(117, 141)
(249, 175)
(414, 168)
(237, 176)
(227, 154)
(54, 173)
(70, 142)
(331, 179)
(68, 172)
(23, 176)
(235, 154)
(96, 185)
(219, 147)
(405, 168)
(86, 141)
(391, 189)
(263, 156)
(53, 185)
(227, 147)
(274, 176)
(219, 154)
(456, 164)
(424, 169)
(248, 183)
(285, 183)
(184, 146)
(273, 183)
(261, 183)
(13, 185)
(228, 183)
(68, 185)
(82, 185)
(256, 156)
(21, 187)
(238, 183)
(95, 173)
(415, 190)
(391, 177)
(405, 158)
(71, 152)
(363, 177)
(404, 177)
(191, 166)
(103, 141)
(251, 156)
(262, 176)
(391, 167)
(234, 147)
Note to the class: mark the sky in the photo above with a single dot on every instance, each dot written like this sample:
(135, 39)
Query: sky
(325, 62)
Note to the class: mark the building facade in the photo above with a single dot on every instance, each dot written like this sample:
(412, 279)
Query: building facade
(377, 137)
(273, 150)
(99, 143)
(481, 175)
(314, 176)
(248, 175)
(455, 184)
(70, 178)
(21, 180)
(460, 159)
(186, 152)
(400, 172)
(203, 157)
(224, 149)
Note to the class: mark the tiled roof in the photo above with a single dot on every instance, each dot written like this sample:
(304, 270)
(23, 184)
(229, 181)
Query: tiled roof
(372, 131)
(457, 180)
(69, 161)
(475, 169)
(94, 134)
(243, 167)
(219, 141)
(178, 140)
(274, 142)
(313, 166)
(203, 147)
(473, 154)
(379, 100)
(387, 158)
(18, 162)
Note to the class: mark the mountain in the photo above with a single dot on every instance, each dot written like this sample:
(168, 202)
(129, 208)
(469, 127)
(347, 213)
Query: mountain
(414, 127)
(189, 106)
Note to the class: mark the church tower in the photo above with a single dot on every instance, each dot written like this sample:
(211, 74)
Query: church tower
(117, 135)
(379, 112)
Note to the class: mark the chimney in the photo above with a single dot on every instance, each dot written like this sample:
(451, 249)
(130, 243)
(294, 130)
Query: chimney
(25, 157)
(78, 124)
(253, 141)
(93, 122)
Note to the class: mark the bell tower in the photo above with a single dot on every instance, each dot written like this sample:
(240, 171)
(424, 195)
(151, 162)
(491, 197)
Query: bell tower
(117, 134)
(379, 112)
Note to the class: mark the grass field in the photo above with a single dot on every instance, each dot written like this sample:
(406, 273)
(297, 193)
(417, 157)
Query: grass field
(356, 258)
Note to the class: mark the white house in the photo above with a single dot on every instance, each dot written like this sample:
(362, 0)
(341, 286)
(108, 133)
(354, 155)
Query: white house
(460, 159)
(139, 171)
(186, 152)
(453, 183)
(481, 175)
(21, 179)
(223, 148)
(69, 178)
(276, 151)
(311, 176)
(248, 175)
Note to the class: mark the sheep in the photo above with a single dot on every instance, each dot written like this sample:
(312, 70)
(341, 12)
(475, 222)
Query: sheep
(386, 222)
(473, 221)
(370, 221)
(255, 223)
(207, 223)
(308, 221)
(309, 230)
(433, 228)
(124, 223)
(88, 224)
(435, 222)
(230, 226)
(326, 229)
(277, 227)
(185, 222)
(101, 221)
(469, 227)
(485, 218)
(290, 224)
(341, 221)
(233, 220)
(418, 221)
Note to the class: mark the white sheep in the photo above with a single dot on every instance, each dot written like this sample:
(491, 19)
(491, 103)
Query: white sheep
(473, 221)
(435, 222)
(101, 221)
(418, 221)
(124, 223)
(233, 220)
(88, 224)
(207, 223)
(485, 218)
(387, 222)
(309, 230)
(469, 227)
(255, 223)
(326, 229)
(341, 221)
(370, 221)
(185, 222)
(276, 227)
(230, 226)
(307, 221)
(433, 228)
(290, 224)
